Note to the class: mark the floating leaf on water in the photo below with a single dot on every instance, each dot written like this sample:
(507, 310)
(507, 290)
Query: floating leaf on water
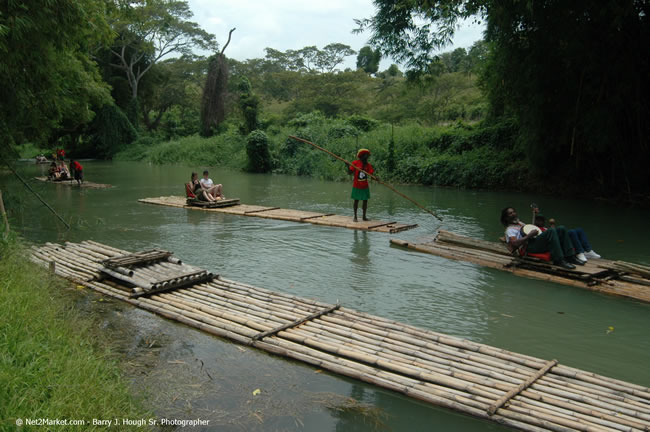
(256, 392)
(79, 287)
(610, 329)
(318, 371)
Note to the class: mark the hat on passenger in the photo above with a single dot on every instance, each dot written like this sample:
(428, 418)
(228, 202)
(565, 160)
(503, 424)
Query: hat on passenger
(540, 216)
(362, 151)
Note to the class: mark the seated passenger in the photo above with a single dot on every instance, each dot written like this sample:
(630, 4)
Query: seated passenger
(63, 169)
(215, 190)
(554, 240)
(578, 238)
(53, 173)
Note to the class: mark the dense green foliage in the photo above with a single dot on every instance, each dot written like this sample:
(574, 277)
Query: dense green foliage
(572, 74)
(463, 155)
(48, 77)
(110, 132)
(257, 149)
(50, 365)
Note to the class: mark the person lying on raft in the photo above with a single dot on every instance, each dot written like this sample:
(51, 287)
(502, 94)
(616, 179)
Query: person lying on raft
(215, 190)
(197, 189)
(577, 235)
(554, 240)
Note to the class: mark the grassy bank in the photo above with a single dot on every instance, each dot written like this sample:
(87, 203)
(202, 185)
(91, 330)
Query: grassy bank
(51, 365)
(472, 156)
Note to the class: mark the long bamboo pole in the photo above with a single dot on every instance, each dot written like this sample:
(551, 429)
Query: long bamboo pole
(370, 175)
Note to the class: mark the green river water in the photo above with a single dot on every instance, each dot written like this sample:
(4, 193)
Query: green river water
(186, 374)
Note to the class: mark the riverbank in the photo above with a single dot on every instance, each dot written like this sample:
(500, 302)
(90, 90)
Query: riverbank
(460, 155)
(52, 365)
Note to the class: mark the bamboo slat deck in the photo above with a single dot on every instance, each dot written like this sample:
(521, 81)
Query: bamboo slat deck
(512, 389)
(327, 219)
(85, 184)
(597, 275)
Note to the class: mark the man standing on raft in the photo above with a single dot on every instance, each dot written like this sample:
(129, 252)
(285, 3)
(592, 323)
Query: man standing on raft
(360, 190)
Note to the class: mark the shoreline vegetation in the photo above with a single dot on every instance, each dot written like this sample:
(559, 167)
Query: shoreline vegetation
(464, 155)
(52, 361)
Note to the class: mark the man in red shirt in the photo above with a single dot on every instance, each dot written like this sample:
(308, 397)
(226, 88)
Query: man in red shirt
(77, 171)
(360, 190)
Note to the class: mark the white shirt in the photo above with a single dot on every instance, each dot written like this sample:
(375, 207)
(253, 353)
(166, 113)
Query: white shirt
(207, 182)
(513, 231)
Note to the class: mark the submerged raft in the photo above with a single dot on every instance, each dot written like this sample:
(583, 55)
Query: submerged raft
(327, 219)
(610, 277)
(72, 182)
(516, 390)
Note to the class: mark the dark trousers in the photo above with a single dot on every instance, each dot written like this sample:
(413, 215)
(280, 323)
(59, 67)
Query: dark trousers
(579, 240)
(554, 240)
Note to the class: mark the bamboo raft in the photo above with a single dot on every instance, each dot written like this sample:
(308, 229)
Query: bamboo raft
(73, 182)
(512, 389)
(327, 219)
(610, 277)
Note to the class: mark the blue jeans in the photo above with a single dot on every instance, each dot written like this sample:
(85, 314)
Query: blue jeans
(579, 240)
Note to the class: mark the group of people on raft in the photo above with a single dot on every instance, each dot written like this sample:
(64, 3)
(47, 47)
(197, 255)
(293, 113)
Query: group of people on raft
(564, 247)
(204, 189)
(59, 171)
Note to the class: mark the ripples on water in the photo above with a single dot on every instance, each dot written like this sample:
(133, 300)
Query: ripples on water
(364, 272)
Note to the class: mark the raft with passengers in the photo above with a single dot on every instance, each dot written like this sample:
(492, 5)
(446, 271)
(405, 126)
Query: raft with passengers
(552, 253)
(205, 194)
(62, 173)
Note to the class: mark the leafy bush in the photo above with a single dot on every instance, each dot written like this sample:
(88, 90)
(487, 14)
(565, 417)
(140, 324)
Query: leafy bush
(257, 149)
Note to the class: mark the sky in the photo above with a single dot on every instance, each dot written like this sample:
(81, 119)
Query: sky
(294, 24)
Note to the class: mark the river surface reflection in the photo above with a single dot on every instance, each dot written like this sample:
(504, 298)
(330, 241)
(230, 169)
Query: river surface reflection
(189, 374)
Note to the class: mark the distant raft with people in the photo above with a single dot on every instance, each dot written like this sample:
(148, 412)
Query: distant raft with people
(72, 182)
(316, 218)
(611, 277)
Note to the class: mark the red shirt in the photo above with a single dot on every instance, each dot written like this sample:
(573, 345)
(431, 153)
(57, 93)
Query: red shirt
(361, 179)
(77, 166)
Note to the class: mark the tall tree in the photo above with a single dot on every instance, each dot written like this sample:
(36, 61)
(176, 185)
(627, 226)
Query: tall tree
(149, 30)
(333, 55)
(368, 59)
(213, 102)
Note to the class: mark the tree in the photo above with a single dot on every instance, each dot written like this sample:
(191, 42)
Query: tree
(573, 74)
(149, 30)
(175, 82)
(368, 60)
(49, 80)
(310, 59)
(213, 102)
(333, 55)
(249, 104)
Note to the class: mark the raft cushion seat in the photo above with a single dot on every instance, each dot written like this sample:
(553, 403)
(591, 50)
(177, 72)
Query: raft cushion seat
(189, 193)
(544, 256)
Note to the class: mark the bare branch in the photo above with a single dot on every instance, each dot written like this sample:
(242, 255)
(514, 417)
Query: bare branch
(226, 45)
